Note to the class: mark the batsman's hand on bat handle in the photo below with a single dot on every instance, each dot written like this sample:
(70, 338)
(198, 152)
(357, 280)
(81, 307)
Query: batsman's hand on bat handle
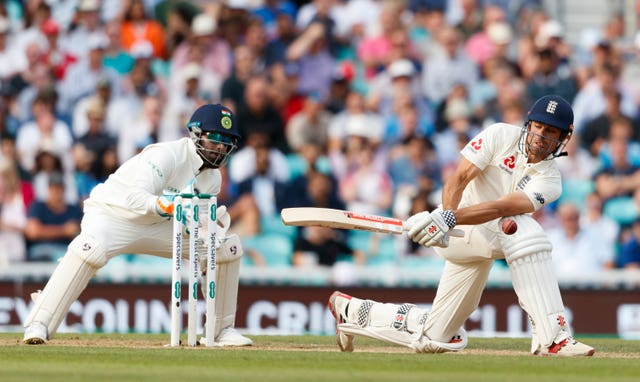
(431, 229)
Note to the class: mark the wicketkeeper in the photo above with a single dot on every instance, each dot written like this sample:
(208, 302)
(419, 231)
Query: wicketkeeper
(505, 170)
(131, 212)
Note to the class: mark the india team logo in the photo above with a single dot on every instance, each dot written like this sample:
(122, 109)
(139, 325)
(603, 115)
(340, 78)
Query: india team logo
(551, 107)
(225, 121)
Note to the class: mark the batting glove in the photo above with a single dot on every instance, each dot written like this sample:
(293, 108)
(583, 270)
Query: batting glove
(430, 228)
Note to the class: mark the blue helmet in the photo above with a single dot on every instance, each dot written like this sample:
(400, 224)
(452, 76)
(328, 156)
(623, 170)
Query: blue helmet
(213, 118)
(216, 124)
(551, 110)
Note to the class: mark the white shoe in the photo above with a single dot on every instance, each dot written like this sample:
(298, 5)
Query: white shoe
(230, 337)
(338, 306)
(35, 334)
(567, 347)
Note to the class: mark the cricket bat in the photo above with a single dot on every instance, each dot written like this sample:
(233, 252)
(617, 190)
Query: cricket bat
(333, 218)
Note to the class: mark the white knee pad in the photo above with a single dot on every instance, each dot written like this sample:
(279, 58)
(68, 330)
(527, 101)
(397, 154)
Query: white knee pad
(84, 257)
(227, 279)
(528, 253)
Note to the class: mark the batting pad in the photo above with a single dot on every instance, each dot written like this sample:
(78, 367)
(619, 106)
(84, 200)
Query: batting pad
(227, 280)
(539, 294)
(82, 260)
(369, 313)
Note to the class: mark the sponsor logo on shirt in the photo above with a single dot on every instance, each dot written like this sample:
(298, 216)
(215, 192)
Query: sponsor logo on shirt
(539, 197)
(523, 182)
(508, 164)
(476, 145)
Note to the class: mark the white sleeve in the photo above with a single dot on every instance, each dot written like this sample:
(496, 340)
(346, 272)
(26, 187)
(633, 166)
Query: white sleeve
(144, 178)
(481, 149)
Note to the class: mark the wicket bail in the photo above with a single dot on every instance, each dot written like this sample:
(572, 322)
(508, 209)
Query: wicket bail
(179, 221)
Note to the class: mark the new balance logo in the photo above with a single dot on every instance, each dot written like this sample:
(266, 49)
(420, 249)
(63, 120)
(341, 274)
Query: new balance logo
(551, 107)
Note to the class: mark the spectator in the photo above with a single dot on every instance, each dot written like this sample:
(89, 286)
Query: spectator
(204, 47)
(111, 117)
(340, 87)
(405, 121)
(45, 132)
(310, 125)
(323, 246)
(264, 187)
(315, 63)
(12, 61)
(549, 78)
(143, 127)
(399, 79)
(619, 176)
(255, 38)
(47, 164)
(374, 49)
(96, 141)
(365, 188)
(576, 249)
(243, 167)
(270, 11)
(142, 80)
(87, 23)
(359, 131)
(593, 219)
(470, 22)
(577, 168)
(82, 78)
(137, 26)
(57, 58)
(13, 215)
(447, 67)
(620, 130)
(83, 163)
(52, 223)
(313, 188)
(629, 257)
(413, 169)
(257, 113)
(596, 132)
(590, 101)
(354, 107)
(116, 57)
(233, 87)
(186, 98)
(276, 49)
(482, 44)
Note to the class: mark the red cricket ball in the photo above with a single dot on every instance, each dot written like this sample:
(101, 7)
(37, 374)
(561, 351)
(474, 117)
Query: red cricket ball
(509, 226)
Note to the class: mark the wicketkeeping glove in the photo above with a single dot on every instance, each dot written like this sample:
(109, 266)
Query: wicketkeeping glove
(164, 205)
(430, 228)
(223, 222)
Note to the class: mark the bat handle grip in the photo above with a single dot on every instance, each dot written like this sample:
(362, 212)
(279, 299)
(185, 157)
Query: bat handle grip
(452, 233)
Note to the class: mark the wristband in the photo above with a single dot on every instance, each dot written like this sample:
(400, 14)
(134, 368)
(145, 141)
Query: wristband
(449, 218)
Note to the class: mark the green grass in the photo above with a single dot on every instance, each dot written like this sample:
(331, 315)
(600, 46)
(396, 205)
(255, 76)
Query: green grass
(96, 358)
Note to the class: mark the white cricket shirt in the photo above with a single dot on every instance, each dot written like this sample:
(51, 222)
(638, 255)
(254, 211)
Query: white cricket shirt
(131, 191)
(505, 169)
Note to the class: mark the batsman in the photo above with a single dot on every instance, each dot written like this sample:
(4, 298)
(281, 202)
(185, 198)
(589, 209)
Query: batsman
(131, 212)
(505, 170)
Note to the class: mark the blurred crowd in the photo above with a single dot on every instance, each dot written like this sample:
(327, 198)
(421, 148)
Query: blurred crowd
(354, 104)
